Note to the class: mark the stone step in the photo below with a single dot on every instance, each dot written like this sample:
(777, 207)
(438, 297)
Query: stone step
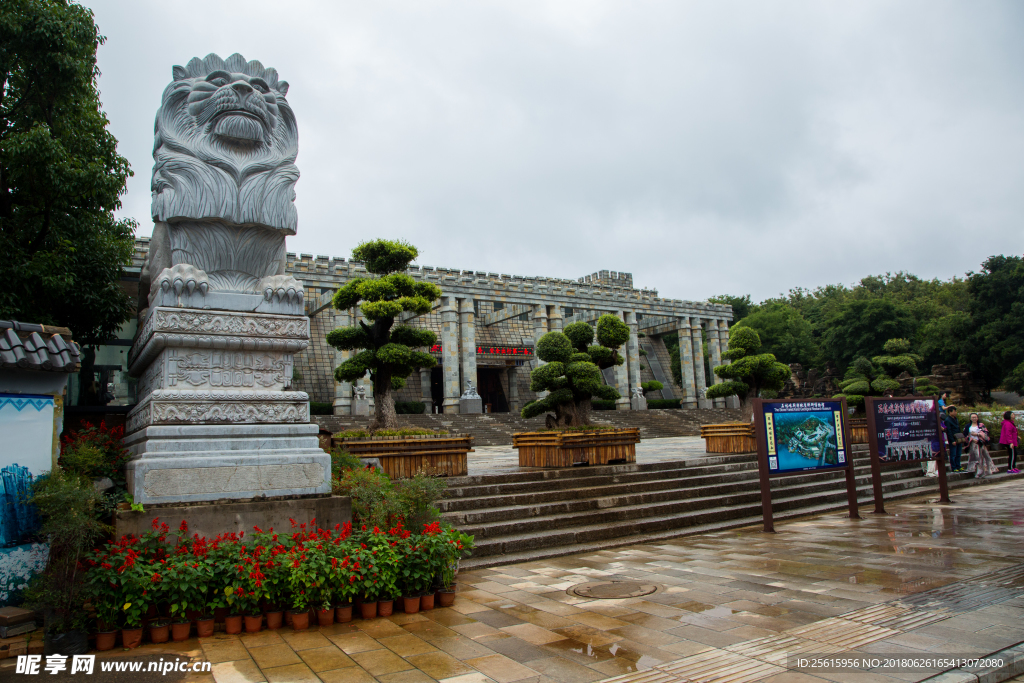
(864, 498)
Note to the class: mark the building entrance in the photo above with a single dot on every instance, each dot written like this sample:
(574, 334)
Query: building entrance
(490, 389)
(437, 388)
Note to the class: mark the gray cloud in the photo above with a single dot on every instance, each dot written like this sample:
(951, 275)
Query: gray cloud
(740, 147)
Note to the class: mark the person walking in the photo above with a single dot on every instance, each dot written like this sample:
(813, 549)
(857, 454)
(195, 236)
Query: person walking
(954, 437)
(1008, 437)
(979, 461)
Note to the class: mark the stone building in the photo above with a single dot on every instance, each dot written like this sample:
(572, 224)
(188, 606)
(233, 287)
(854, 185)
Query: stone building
(487, 325)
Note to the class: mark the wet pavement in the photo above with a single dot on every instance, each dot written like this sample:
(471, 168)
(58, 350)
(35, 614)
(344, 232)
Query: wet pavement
(729, 606)
(505, 459)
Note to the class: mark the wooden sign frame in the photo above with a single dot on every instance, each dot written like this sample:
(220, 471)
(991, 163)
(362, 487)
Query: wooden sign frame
(876, 462)
(766, 475)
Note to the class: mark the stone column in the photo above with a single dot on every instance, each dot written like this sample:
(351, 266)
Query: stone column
(425, 395)
(342, 390)
(467, 328)
(622, 374)
(733, 401)
(555, 320)
(513, 390)
(715, 347)
(450, 353)
(686, 364)
(540, 328)
(698, 362)
(633, 352)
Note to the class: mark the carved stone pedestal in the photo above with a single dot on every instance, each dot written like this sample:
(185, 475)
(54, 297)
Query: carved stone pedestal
(215, 419)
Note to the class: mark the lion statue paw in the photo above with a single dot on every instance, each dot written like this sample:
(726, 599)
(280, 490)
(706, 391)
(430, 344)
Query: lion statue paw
(279, 288)
(181, 278)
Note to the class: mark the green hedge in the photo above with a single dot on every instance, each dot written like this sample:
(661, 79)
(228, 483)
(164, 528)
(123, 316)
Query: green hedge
(664, 403)
(601, 404)
(320, 408)
(410, 407)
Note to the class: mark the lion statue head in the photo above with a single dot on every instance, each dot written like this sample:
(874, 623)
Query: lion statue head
(225, 148)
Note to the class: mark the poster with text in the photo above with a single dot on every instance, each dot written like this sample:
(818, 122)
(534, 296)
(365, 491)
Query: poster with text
(906, 429)
(804, 435)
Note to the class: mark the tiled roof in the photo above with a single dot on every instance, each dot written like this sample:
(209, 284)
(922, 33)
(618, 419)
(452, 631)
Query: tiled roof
(37, 347)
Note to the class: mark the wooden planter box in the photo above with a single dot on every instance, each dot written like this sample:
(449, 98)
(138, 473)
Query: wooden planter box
(565, 449)
(732, 437)
(859, 430)
(403, 456)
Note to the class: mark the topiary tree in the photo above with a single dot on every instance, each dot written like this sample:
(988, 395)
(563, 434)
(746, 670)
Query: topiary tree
(653, 385)
(573, 371)
(387, 352)
(750, 373)
(875, 377)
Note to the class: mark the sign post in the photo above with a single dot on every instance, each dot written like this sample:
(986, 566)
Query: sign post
(902, 430)
(800, 437)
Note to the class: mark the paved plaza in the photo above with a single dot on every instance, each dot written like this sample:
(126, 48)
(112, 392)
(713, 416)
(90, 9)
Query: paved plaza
(924, 580)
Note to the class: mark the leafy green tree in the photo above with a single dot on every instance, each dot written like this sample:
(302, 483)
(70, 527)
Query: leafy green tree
(741, 305)
(572, 373)
(61, 177)
(861, 327)
(784, 333)
(749, 373)
(995, 350)
(387, 352)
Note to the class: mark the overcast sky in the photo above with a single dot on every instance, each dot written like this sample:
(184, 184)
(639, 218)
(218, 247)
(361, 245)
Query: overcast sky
(708, 148)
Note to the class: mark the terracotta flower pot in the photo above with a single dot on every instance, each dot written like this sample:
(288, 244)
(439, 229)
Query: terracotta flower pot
(300, 621)
(274, 620)
(220, 614)
(233, 624)
(325, 617)
(105, 640)
(368, 610)
(204, 627)
(427, 602)
(385, 608)
(131, 638)
(288, 616)
(446, 598)
(253, 623)
(181, 631)
(343, 613)
(158, 632)
(411, 604)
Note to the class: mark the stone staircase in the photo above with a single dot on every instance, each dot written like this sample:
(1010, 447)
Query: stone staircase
(545, 513)
(496, 429)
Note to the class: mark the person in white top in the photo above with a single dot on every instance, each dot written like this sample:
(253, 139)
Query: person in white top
(979, 462)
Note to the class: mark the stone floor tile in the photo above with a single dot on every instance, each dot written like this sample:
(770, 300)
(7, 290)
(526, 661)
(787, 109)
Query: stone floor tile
(616, 666)
(225, 651)
(460, 647)
(238, 671)
(269, 656)
(513, 648)
(325, 658)
(589, 636)
(706, 636)
(645, 635)
(350, 643)
(497, 619)
(378, 662)
(380, 628)
(475, 629)
(410, 676)
(351, 674)
(261, 638)
(533, 634)
(439, 665)
(402, 619)
(429, 630)
(475, 677)
(468, 607)
(501, 668)
(564, 671)
(599, 621)
(305, 640)
(406, 645)
(292, 673)
(446, 616)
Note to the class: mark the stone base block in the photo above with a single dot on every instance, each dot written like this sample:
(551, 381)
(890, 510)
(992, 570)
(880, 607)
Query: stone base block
(208, 519)
(186, 463)
(638, 403)
(471, 406)
(361, 406)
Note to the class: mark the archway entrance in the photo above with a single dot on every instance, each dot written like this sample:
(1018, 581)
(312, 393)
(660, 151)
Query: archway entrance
(490, 389)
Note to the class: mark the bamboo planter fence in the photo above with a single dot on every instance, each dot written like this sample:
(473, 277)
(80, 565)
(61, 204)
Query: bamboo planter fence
(401, 457)
(859, 430)
(565, 449)
(732, 437)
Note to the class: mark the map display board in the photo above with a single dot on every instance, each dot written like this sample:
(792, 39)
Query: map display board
(906, 429)
(802, 435)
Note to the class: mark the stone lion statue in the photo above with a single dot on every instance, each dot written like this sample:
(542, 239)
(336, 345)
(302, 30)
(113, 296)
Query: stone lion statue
(223, 190)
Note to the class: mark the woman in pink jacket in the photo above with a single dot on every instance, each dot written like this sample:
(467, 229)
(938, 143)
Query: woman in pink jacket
(1008, 438)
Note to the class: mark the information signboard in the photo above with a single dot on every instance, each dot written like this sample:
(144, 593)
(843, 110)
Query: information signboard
(801, 437)
(902, 430)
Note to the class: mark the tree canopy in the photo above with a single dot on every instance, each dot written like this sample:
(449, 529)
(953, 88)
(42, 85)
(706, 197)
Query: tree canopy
(61, 177)
(572, 373)
(750, 372)
(387, 353)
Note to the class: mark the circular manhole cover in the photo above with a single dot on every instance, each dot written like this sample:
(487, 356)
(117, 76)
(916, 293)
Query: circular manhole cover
(611, 590)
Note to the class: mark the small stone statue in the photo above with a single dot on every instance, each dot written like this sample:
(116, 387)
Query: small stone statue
(638, 391)
(360, 392)
(470, 390)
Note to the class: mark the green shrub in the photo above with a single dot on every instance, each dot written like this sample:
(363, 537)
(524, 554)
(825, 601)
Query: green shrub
(663, 403)
(410, 407)
(599, 404)
(653, 385)
(404, 431)
(417, 497)
(377, 501)
(342, 460)
(321, 408)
